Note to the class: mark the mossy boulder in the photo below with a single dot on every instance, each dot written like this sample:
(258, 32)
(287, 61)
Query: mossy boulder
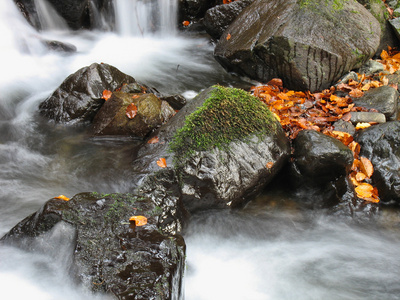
(102, 250)
(224, 147)
(310, 44)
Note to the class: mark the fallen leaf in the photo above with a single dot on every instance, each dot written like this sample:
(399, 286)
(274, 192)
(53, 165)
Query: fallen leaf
(228, 37)
(366, 166)
(269, 164)
(153, 140)
(367, 192)
(162, 163)
(106, 95)
(360, 176)
(139, 220)
(131, 111)
(360, 126)
(185, 23)
(135, 96)
(62, 197)
(356, 93)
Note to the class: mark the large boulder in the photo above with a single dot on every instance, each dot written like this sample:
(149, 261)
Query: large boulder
(309, 44)
(225, 146)
(381, 145)
(103, 250)
(79, 97)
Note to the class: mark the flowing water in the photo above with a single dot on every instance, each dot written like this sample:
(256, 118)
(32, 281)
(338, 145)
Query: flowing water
(262, 252)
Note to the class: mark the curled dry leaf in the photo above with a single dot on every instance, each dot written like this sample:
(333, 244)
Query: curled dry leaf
(367, 192)
(162, 163)
(62, 197)
(131, 111)
(139, 220)
(360, 126)
(106, 95)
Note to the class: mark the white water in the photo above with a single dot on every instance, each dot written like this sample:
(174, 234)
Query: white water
(230, 256)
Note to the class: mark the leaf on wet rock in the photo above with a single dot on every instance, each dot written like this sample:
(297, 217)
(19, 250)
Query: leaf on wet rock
(62, 197)
(153, 140)
(366, 166)
(106, 95)
(131, 111)
(162, 163)
(367, 192)
(139, 220)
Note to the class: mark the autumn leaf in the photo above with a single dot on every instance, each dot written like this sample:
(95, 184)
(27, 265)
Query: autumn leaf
(185, 23)
(135, 96)
(162, 163)
(228, 37)
(153, 140)
(106, 95)
(62, 197)
(367, 192)
(139, 220)
(131, 111)
(361, 125)
(366, 166)
(360, 176)
(269, 165)
(356, 93)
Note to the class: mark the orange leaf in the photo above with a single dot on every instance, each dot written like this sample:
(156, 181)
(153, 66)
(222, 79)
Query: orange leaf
(367, 192)
(360, 176)
(360, 126)
(185, 23)
(106, 95)
(153, 140)
(366, 166)
(356, 93)
(228, 37)
(135, 96)
(62, 197)
(162, 163)
(269, 164)
(131, 111)
(139, 220)
(355, 147)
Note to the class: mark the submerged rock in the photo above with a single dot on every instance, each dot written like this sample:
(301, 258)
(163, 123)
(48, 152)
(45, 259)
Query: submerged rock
(108, 254)
(79, 97)
(309, 44)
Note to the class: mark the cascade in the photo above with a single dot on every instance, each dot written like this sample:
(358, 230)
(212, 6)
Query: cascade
(143, 17)
(48, 16)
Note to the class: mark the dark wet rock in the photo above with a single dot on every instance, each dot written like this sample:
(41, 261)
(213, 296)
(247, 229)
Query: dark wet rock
(108, 254)
(176, 101)
(194, 9)
(395, 24)
(366, 117)
(310, 45)
(219, 176)
(79, 97)
(28, 10)
(371, 67)
(321, 157)
(218, 18)
(381, 145)
(384, 99)
(111, 119)
(344, 127)
(60, 46)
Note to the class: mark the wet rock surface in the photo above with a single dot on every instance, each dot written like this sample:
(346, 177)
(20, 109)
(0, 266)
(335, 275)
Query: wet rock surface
(108, 253)
(381, 145)
(308, 45)
(79, 97)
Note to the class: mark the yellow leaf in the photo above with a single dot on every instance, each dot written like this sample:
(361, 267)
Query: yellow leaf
(360, 126)
(139, 220)
(62, 197)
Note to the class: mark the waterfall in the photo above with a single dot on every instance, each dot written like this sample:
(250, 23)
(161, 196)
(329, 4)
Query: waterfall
(143, 17)
(48, 16)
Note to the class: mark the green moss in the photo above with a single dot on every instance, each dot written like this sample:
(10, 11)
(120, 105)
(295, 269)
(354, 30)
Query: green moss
(227, 115)
(313, 4)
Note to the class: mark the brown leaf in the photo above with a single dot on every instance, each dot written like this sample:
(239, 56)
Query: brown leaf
(131, 111)
(356, 93)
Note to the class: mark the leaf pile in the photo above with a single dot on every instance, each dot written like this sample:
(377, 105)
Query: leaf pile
(297, 110)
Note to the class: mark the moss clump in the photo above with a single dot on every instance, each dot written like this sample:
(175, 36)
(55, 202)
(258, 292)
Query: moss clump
(229, 114)
(335, 4)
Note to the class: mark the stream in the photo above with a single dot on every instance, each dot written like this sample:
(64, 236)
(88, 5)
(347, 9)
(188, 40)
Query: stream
(272, 249)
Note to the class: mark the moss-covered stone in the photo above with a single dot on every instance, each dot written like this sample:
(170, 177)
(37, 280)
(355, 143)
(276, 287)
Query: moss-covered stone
(229, 114)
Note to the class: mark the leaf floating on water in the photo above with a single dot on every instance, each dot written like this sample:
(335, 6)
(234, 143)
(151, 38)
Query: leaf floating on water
(62, 197)
(162, 163)
(153, 140)
(139, 220)
(131, 111)
(106, 95)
